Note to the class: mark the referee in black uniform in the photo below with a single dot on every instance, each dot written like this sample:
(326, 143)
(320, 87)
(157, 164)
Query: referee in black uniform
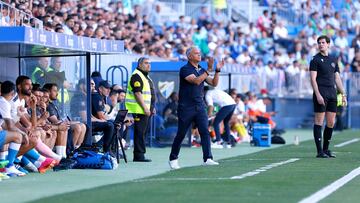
(325, 78)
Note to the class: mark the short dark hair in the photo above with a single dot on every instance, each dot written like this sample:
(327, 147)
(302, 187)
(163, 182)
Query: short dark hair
(36, 87)
(49, 86)
(113, 92)
(21, 79)
(232, 91)
(7, 87)
(96, 74)
(43, 90)
(327, 39)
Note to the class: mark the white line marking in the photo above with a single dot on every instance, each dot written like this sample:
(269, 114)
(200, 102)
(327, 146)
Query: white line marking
(178, 179)
(347, 142)
(248, 174)
(326, 191)
(263, 169)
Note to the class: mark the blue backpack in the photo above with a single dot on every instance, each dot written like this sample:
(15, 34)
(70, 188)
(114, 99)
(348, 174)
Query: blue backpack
(92, 160)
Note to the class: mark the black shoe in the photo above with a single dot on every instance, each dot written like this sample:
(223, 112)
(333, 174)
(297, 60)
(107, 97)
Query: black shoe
(322, 155)
(142, 160)
(65, 164)
(329, 153)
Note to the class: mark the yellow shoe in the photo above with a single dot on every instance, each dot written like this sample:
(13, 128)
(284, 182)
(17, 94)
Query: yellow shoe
(3, 176)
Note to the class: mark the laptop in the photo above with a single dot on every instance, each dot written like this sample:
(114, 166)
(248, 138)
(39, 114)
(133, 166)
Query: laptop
(120, 117)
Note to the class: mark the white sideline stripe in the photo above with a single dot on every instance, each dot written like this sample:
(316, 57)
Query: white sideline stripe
(347, 142)
(177, 179)
(252, 173)
(326, 191)
(263, 169)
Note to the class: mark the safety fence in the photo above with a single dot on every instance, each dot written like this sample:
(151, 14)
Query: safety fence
(11, 16)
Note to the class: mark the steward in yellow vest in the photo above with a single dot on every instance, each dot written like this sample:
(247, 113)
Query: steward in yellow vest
(38, 75)
(139, 101)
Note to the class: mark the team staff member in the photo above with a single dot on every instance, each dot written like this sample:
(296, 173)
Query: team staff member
(192, 106)
(227, 106)
(38, 75)
(98, 119)
(140, 100)
(324, 73)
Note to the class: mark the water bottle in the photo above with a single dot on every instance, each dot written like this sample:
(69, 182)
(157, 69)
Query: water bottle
(296, 140)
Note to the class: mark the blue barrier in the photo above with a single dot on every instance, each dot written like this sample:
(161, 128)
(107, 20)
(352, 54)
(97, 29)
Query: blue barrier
(27, 35)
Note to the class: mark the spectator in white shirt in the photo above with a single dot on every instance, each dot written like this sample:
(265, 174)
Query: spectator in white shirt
(341, 41)
(335, 21)
(312, 40)
(68, 27)
(281, 36)
(353, 24)
(219, 17)
(328, 8)
(243, 57)
(252, 31)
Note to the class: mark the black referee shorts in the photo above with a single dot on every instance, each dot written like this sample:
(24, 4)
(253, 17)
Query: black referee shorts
(330, 99)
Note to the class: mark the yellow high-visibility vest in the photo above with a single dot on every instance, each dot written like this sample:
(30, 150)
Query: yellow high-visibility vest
(66, 95)
(130, 102)
(339, 100)
(42, 73)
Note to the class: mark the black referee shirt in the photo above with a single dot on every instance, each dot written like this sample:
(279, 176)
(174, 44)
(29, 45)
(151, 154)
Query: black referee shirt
(325, 66)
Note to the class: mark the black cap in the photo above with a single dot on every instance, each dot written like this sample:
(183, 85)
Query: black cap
(105, 84)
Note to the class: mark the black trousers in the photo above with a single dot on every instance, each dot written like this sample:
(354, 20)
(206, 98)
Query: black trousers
(88, 137)
(187, 116)
(140, 127)
(108, 129)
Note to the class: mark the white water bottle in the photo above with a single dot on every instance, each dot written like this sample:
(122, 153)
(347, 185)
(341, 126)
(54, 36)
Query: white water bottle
(296, 140)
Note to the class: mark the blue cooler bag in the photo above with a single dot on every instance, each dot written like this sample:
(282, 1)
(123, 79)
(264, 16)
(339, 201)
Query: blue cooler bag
(261, 135)
(92, 160)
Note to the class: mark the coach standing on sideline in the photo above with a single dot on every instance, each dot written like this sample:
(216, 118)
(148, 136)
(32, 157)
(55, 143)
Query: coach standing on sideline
(191, 106)
(324, 73)
(140, 101)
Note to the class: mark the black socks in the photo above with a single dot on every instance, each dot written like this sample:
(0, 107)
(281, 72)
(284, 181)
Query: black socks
(327, 137)
(317, 137)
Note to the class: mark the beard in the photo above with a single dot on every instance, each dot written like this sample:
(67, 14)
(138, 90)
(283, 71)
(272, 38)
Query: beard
(25, 92)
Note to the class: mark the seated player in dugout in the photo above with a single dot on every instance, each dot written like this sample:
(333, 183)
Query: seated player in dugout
(77, 129)
(16, 116)
(257, 110)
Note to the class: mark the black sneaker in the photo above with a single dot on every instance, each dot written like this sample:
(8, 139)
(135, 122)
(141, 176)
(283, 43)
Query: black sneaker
(322, 155)
(65, 164)
(329, 153)
(142, 160)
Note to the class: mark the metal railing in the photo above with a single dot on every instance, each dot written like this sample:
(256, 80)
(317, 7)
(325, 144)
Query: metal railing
(190, 8)
(11, 16)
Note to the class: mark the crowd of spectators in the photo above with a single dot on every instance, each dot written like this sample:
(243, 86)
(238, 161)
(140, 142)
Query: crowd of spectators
(264, 46)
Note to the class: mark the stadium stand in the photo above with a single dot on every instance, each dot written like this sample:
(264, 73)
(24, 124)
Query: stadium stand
(275, 48)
